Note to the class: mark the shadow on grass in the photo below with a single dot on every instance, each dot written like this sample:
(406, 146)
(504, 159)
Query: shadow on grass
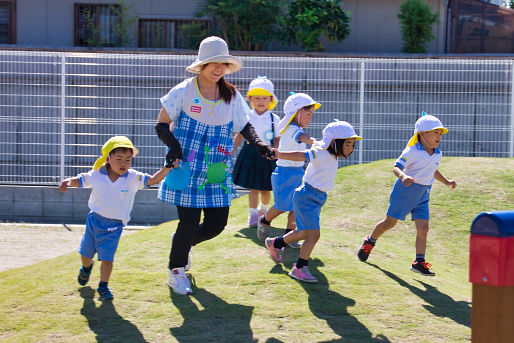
(105, 322)
(332, 307)
(439, 304)
(216, 321)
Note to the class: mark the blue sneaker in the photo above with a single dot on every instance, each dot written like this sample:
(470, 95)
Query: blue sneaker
(83, 277)
(105, 293)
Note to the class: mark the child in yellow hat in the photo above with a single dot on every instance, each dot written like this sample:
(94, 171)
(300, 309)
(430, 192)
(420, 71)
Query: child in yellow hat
(114, 186)
(416, 169)
(252, 171)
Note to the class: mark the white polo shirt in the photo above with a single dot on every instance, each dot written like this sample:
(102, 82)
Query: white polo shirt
(418, 164)
(322, 169)
(113, 199)
(289, 141)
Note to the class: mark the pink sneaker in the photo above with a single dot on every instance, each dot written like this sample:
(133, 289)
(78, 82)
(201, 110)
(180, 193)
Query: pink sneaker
(274, 253)
(302, 274)
(252, 219)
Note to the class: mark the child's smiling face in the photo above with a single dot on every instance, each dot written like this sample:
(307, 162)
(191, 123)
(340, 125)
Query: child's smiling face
(260, 102)
(431, 138)
(304, 116)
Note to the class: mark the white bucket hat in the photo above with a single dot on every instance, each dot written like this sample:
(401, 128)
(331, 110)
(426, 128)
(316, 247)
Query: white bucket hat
(337, 130)
(214, 50)
(426, 122)
(262, 86)
(293, 103)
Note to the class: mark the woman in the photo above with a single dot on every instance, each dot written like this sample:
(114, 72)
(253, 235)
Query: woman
(205, 111)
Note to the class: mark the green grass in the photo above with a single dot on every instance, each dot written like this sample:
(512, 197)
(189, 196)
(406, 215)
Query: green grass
(240, 295)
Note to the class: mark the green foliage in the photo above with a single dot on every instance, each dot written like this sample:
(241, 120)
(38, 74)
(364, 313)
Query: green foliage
(195, 33)
(307, 21)
(244, 24)
(416, 21)
(509, 3)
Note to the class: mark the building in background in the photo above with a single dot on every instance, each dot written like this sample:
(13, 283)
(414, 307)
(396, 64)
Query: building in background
(464, 26)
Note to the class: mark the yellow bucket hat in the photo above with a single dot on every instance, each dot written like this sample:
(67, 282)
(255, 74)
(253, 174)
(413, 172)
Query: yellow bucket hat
(262, 86)
(110, 145)
(426, 122)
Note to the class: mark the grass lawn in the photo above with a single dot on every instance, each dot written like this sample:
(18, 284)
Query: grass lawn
(240, 295)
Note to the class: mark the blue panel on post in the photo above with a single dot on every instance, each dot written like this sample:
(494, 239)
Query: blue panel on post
(495, 224)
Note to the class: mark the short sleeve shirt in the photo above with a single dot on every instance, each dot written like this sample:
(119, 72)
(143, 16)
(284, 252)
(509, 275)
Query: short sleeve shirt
(289, 141)
(113, 199)
(418, 164)
(186, 97)
(322, 169)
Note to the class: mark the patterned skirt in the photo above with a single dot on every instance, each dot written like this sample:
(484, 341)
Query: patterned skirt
(251, 170)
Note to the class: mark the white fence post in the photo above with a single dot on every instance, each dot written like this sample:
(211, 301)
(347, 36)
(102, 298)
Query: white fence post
(361, 112)
(512, 111)
(63, 113)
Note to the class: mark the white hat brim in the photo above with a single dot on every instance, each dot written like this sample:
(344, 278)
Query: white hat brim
(235, 63)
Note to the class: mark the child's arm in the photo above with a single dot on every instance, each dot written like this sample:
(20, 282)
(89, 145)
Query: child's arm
(291, 155)
(238, 138)
(69, 182)
(440, 177)
(404, 178)
(160, 175)
(305, 138)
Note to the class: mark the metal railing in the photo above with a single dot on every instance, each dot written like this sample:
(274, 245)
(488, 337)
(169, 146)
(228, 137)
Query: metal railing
(58, 108)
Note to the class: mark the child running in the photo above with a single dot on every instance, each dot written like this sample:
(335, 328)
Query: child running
(252, 171)
(338, 141)
(114, 186)
(416, 169)
(287, 176)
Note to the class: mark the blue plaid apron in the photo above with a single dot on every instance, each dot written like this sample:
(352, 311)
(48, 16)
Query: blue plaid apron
(194, 136)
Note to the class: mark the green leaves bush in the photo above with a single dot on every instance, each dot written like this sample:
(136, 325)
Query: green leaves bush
(416, 22)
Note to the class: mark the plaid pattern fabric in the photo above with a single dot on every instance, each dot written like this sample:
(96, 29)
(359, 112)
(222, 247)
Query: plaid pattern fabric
(194, 136)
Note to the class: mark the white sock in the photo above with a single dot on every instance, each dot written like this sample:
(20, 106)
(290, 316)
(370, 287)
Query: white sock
(253, 211)
(263, 207)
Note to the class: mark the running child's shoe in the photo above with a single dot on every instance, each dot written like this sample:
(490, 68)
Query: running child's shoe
(302, 274)
(365, 249)
(253, 218)
(179, 282)
(274, 253)
(422, 267)
(262, 229)
(105, 293)
(83, 277)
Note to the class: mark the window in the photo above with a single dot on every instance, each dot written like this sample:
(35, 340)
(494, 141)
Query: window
(97, 25)
(7, 22)
(168, 33)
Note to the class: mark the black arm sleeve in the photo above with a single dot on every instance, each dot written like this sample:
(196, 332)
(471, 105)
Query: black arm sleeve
(248, 132)
(165, 135)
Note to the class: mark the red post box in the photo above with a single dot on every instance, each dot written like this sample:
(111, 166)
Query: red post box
(491, 271)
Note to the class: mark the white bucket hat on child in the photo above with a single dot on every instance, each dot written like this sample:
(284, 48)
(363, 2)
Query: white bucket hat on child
(293, 103)
(426, 122)
(214, 50)
(262, 86)
(337, 130)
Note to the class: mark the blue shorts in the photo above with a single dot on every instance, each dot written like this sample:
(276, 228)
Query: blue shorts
(102, 236)
(413, 199)
(307, 203)
(284, 181)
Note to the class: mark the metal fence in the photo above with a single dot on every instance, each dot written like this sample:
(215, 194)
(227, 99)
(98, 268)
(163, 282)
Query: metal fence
(58, 108)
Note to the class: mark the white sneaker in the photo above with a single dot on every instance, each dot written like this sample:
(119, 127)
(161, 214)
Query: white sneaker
(179, 282)
(187, 267)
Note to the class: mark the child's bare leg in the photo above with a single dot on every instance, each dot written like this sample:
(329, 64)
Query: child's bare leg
(291, 222)
(272, 214)
(253, 198)
(86, 261)
(381, 227)
(265, 197)
(310, 241)
(421, 236)
(105, 271)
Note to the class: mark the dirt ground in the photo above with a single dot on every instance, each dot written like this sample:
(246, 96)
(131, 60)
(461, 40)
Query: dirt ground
(25, 244)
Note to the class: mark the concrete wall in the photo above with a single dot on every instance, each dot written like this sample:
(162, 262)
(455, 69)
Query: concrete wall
(48, 205)
(374, 25)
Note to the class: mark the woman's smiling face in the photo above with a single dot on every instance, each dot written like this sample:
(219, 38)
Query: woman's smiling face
(213, 72)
